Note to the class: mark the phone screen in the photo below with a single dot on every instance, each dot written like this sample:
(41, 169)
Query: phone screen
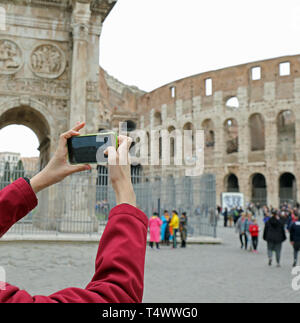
(85, 149)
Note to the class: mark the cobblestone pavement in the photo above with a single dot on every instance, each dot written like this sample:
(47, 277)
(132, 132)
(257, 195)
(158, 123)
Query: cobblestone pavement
(199, 273)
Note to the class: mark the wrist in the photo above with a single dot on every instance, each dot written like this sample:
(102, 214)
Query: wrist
(39, 182)
(125, 194)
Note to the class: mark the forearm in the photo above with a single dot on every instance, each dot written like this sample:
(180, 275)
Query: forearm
(119, 275)
(39, 182)
(125, 194)
(16, 200)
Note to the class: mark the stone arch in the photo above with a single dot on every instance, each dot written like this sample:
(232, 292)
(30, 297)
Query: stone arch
(32, 114)
(209, 133)
(232, 102)
(258, 188)
(172, 141)
(231, 136)
(130, 125)
(257, 132)
(286, 135)
(287, 188)
(231, 183)
(188, 126)
(157, 119)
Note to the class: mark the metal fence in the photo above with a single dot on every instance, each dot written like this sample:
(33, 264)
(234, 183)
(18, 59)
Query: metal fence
(81, 203)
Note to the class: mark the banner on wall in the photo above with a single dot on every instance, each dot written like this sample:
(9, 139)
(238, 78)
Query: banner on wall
(232, 200)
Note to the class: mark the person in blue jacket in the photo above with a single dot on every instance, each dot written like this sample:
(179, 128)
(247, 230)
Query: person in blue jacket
(165, 227)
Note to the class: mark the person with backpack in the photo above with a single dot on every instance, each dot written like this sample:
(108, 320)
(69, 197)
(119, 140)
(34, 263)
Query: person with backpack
(274, 235)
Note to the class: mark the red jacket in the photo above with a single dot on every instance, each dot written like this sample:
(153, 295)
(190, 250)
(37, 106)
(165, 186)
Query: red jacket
(254, 230)
(118, 278)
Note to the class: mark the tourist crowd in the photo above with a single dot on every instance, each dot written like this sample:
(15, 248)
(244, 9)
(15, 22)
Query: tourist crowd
(277, 222)
(164, 229)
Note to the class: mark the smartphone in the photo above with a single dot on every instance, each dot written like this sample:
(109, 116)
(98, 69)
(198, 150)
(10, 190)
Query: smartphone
(89, 149)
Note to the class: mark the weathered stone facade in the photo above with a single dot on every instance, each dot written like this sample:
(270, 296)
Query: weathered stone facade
(255, 139)
(49, 59)
(49, 77)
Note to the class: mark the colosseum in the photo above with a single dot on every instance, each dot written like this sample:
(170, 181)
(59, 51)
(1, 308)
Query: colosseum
(249, 114)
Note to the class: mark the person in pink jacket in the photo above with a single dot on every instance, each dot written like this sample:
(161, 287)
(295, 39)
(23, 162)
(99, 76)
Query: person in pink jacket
(118, 277)
(154, 225)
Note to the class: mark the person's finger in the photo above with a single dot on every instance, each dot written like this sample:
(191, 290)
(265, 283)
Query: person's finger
(123, 139)
(64, 137)
(124, 143)
(112, 155)
(123, 150)
(72, 132)
(79, 125)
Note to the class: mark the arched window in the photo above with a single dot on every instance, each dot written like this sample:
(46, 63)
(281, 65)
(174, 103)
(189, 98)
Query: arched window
(286, 126)
(257, 132)
(231, 136)
(232, 103)
(287, 189)
(131, 125)
(232, 183)
(286, 135)
(209, 134)
(259, 189)
(157, 119)
(191, 140)
(172, 142)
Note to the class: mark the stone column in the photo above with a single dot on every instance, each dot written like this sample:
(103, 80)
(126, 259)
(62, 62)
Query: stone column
(80, 28)
(272, 173)
(78, 214)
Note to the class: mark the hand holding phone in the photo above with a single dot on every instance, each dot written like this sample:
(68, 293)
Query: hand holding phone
(89, 149)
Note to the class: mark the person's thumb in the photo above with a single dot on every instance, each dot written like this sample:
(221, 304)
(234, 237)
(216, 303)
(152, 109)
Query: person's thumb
(79, 168)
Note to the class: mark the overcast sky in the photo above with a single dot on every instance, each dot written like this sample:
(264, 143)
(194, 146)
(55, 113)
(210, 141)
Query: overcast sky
(149, 43)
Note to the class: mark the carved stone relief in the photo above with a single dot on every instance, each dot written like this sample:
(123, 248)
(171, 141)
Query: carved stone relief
(48, 61)
(35, 86)
(10, 57)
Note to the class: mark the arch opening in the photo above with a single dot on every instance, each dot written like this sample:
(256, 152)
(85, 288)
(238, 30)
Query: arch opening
(172, 142)
(231, 136)
(209, 133)
(232, 183)
(287, 189)
(257, 132)
(232, 103)
(157, 119)
(34, 120)
(189, 142)
(259, 189)
(286, 134)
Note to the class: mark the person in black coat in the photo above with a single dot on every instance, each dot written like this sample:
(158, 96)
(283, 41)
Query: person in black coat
(225, 214)
(274, 234)
(295, 238)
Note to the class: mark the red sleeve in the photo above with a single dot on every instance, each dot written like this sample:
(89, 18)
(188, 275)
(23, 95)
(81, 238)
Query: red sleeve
(119, 274)
(16, 200)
